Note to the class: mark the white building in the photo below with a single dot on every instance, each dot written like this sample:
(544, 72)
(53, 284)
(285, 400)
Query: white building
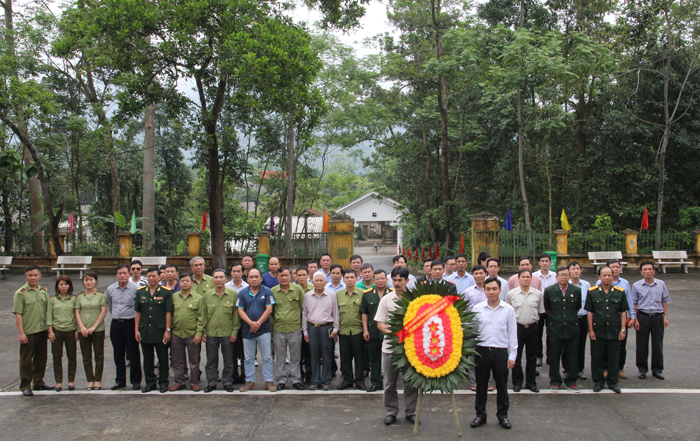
(378, 217)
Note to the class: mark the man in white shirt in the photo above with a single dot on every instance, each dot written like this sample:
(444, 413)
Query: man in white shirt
(401, 261)
(493, 266)
(498, 347)
(336, 283)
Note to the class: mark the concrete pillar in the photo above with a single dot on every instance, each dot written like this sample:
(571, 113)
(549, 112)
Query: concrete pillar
(399, 239)
(484, 235)
(125, 243)
(61, 240)
(194, 243)
(631, 242)
(264, 242)
(562, 242)
(341, 245)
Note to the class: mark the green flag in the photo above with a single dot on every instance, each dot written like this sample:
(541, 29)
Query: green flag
(133, 223)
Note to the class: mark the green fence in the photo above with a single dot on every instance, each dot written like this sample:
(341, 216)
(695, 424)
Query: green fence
(514, 244)
(670, 241)
(304, 245)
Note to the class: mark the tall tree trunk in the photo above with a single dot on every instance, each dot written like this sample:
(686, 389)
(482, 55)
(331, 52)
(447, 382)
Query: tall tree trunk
(149, 187)
(427, 180)
(7, 214)
(582, 119)
(521, 170)
(291, 175)
(35, 195)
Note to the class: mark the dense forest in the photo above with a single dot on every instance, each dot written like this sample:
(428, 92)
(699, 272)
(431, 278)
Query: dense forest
(163, 110)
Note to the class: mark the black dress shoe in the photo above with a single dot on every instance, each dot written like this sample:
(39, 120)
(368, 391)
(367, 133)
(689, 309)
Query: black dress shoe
(118, 386)
(163, 388)
(44, 387)
(537, 373)
(298, 386)
(597, 388)
(535, 389)
(389, 420)
(209, 389)
(71, 387)
(27, 392)
(616, 389)
(280, 386)
(344, 385)
(372, 388)
(505, 423)
(411, 419)
(538, 362)
(135, 386)
(146, 389)
(478, 421)
(228, 388)
(659, 376)
(516, 388)
(361, 387)
(642, 375)
(58, 389)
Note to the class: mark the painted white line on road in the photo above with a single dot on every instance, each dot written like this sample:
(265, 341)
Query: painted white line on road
(337, 392)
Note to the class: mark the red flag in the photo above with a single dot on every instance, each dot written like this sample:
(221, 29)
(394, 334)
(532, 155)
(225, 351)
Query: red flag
(416, 255)
(437, 250)
(400, 249)
(326, 218)
(70, 221)
(645, 220)
(422, 254)
(430, 253)
(204, 220)
(461, 243)
(409, 254)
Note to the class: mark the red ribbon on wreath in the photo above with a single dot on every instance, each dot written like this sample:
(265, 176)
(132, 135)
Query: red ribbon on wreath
(417, 322)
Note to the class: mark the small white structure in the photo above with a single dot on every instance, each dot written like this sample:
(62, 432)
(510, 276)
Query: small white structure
(378, 217)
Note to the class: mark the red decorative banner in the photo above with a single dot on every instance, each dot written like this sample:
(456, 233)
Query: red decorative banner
(417, 322)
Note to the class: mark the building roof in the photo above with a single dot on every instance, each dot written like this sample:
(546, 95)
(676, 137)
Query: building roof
(372, 194)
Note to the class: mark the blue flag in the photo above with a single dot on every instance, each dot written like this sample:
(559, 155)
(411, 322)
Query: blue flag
(508, 224)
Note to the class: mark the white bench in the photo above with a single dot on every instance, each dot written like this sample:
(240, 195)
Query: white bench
(72, 263)
(674, 258)
(5, 261)
(150, 261)
(600, 258)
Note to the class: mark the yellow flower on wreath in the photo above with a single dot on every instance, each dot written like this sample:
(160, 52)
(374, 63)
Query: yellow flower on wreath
(457, 339)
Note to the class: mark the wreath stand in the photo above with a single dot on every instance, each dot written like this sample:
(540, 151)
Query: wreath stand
(419, 407)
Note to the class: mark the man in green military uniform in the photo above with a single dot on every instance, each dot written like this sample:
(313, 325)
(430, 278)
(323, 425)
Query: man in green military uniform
(562, 302)
(607, 308)
(288, 335)
(154, 309)
(351, 332)
(201, 283)
(30, 305)
(189, 318)
(373, 336)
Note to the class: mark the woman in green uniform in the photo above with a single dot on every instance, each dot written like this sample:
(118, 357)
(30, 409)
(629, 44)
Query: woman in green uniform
(90, 312)
(60, 319)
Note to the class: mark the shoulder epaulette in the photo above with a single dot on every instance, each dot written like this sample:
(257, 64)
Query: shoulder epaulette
(22, 289)
(449, 281)
(618, 288)
(390, 289)
(165, 287)
(368, 290)
(81, 292)
(593, 288)
(43, 288)
(142, 287)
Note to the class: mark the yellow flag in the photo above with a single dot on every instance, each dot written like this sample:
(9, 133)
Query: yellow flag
(564, 221)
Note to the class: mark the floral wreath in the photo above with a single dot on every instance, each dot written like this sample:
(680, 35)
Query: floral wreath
(432, 336)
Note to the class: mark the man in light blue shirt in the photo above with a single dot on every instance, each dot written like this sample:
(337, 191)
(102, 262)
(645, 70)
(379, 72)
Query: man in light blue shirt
(461, 278)
(336, 283)
(616, 268)
(498, 347)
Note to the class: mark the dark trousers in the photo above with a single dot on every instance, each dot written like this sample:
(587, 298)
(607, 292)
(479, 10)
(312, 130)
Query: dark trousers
(605, 352)
(149, 367)
(542, 349)
(352, 349)
(122, 335)
(305, 362)
(93, 342)
(582, 337)
(374, 348)
(238, 354)
(212, 367)
(321, 347)
(654, 326)
(623, 353)
(489, 361)
(182, 351)
(556, 347)
(528, 340)
(365, 355)
(67, 339)
(32, 360)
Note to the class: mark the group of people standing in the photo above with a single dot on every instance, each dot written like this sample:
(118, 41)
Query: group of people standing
(294, 316)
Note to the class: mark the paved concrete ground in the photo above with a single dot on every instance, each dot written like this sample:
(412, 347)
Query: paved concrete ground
(647, 409)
